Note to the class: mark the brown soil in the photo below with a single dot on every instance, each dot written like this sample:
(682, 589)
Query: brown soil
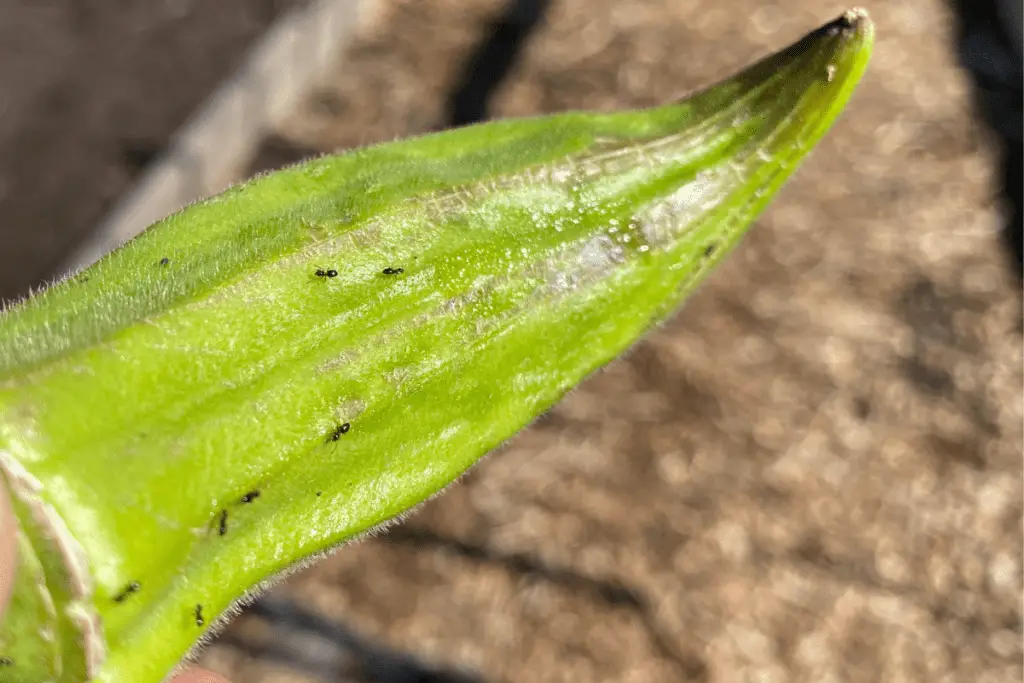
(90, 92)
(813, 473)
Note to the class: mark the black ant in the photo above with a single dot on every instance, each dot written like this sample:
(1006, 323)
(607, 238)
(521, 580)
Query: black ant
(251, 496)
(393, 271)
(710, 249)
(338, 431)
(223, 529)
(131, 588)
(199, 616)
(320, 272)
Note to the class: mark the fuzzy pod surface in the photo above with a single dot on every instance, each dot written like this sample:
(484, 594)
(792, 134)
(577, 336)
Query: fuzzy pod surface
(279, 368)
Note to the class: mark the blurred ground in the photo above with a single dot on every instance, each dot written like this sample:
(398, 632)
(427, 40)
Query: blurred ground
(813, 473)
(90, 92)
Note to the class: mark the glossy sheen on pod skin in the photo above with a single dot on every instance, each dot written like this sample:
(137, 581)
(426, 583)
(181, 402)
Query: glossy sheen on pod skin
(344, 338)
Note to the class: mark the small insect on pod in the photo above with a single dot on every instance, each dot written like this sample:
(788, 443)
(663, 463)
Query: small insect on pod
(130, 589)
(251, 496)
(199, 616)
(325, 273)
(338, 431)
(393, 271)
(223, 527)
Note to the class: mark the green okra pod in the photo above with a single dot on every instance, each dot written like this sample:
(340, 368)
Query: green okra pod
(279, 368)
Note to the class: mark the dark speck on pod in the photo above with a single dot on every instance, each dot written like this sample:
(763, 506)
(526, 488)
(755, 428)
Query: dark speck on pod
(164, 261)
(199, 616)
(338, 431)
(393, 271)
(223, 522)
(130, 589)
(320, 272)
(710, 249)
(6, 661)
(319, 493)
(251, 496)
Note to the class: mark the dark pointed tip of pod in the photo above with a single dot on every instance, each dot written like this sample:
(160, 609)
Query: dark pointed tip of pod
(853, 18)
(849, 21)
